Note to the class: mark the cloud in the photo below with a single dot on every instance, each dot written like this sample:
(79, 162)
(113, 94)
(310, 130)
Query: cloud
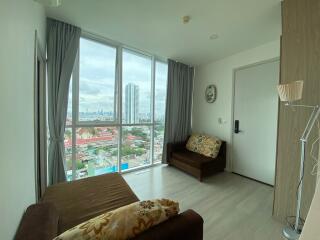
(97, 78)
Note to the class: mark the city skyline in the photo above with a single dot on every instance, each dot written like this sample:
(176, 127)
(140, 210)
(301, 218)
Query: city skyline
(97, 81)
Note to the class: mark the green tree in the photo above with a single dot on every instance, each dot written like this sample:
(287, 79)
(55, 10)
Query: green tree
(107, 148)
(80, 164)
(96, 151)
(140, 145)
(114, 153)
(90, 147)
(138, 132)
(69, 163)
(139, 151)
(93, 131)
(127, 150)
(68, 133)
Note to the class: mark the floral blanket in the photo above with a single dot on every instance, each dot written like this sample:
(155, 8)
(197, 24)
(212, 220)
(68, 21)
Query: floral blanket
(123, 223)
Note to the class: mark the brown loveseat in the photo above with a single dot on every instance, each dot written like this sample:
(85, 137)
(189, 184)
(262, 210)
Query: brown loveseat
(66, 205)
(193, 163)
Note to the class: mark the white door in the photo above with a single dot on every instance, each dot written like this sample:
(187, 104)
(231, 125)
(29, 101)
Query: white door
(255, 118)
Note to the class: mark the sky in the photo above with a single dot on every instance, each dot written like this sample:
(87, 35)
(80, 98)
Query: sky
(97, 78)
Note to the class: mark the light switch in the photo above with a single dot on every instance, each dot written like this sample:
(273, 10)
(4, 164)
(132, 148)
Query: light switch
(221, 120)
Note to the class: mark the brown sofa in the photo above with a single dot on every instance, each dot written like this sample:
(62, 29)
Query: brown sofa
(193, 163)
(66, 205)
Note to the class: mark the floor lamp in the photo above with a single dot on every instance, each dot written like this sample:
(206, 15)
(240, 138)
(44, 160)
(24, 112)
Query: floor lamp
(290, 93)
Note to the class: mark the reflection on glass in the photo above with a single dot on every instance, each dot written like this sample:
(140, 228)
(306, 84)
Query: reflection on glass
(68, 152)
(136, 91)
(135, 149)
(158, 142)
(97, 151)
(160, 92)
(97, 83)
(69, 110)
(160, 108)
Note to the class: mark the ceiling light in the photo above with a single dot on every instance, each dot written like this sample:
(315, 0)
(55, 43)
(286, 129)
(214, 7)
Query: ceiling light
(50, 3)
(214, 36)
(185, 19)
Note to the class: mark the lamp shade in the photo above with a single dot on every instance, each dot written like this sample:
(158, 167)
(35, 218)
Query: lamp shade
(290, 92)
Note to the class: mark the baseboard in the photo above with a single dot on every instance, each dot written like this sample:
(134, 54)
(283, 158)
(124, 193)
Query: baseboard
(254, 179)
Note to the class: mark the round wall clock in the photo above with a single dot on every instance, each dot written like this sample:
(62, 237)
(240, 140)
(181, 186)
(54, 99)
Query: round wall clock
(211, 93)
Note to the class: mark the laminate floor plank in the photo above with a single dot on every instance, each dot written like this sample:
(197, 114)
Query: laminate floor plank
(233, 207)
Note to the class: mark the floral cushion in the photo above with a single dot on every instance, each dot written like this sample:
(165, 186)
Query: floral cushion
(123, 223)
(204, 144)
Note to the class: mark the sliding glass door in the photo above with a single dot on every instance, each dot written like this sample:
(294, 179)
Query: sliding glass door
(116, 110)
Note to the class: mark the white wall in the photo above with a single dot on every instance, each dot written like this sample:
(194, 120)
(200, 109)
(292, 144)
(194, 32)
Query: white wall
(18, 21)
(220, 73)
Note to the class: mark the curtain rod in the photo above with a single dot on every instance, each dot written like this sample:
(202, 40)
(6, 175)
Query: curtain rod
(182, 63)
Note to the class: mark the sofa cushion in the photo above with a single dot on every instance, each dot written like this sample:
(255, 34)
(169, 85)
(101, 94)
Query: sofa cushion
(191, 158)
(81, 200)
(204, 144)
(40, 221)
(125, 222)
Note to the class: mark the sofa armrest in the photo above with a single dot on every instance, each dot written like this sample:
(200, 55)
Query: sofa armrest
(222, 156)
(40, 221)
(174, 147)
(187, 226)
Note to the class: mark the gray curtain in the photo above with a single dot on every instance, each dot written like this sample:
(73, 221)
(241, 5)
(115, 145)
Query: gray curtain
(62, 46)
(179, 104)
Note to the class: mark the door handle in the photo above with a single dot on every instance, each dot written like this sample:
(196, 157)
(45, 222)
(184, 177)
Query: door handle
(236, 126)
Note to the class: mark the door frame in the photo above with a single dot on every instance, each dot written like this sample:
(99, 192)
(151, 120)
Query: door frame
(270, 60)
(40, 118)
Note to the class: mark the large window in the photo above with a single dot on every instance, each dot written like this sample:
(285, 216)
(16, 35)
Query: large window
(116, 110)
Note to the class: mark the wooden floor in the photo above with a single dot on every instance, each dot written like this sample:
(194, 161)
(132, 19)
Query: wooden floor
(233, 207)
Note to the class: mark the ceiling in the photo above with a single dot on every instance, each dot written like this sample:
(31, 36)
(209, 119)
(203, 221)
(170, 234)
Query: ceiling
(156, 26)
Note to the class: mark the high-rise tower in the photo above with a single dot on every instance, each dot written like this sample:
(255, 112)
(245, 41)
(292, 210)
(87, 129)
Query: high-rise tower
(131, 103)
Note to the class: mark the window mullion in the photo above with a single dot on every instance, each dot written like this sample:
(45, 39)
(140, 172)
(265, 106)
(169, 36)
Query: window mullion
(119, 81)
(153, 68)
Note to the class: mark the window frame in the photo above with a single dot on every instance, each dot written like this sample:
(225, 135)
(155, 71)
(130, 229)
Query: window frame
(75, 123)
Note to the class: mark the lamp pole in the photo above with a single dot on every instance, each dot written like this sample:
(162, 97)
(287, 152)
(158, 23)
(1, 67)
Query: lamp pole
(288, 232)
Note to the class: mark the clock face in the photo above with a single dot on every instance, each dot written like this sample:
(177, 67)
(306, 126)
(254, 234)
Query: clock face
(211, 93)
